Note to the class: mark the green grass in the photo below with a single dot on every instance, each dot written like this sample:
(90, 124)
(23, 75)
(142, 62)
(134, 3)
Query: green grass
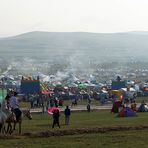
(110, 139)
(126, 139)
(43, 122)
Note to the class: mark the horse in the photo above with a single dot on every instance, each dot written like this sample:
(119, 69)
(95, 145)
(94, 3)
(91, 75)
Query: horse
(11, 119)
(26, 113)
(3, 119)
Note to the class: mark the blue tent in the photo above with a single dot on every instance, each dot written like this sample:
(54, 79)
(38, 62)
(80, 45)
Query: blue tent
(126, 112)
(30, 86)
(116, 85)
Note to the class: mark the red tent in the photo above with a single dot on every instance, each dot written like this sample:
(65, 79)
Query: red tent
(116, 106)
(45, 92)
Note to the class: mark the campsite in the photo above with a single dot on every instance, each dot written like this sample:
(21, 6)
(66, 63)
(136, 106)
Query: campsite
(115, 110)
(73, 74)
(110, 115)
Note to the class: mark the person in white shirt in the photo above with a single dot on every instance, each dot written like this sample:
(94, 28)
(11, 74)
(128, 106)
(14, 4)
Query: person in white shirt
(15, 106)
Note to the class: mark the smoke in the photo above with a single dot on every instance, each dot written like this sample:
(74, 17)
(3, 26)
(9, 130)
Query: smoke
(75, 66)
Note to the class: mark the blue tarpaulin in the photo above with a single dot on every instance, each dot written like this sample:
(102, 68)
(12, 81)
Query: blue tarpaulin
(116, 85)
(30, 86)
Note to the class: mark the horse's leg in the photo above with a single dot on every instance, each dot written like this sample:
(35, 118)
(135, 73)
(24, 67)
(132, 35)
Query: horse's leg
(10, 131)
(14, 125)
(1, 126)
(8, 126)
(4, 130)
(20, 124)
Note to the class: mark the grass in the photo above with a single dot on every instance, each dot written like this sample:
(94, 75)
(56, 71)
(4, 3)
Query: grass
(43, 122)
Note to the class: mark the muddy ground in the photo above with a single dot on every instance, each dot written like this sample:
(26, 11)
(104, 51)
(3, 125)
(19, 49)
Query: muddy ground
(76, 131)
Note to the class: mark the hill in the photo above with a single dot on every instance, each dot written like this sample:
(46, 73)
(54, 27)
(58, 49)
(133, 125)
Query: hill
(108, 46)
(81, 52)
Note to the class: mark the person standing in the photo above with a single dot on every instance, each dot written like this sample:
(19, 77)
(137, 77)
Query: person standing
(56, 115)
(88, 107)
(67, 113)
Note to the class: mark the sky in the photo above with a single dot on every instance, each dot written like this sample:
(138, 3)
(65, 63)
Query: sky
(99, 16)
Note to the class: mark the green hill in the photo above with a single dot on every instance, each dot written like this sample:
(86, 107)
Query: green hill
(98, 46)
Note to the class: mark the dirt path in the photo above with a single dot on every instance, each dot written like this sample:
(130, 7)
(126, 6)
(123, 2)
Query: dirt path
(83, 108)
(76, 131)
(84, 131)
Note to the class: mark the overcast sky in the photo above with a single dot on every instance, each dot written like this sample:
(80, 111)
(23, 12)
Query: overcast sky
(19, 16)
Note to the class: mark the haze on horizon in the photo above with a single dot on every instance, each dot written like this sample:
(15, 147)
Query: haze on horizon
(99, 16)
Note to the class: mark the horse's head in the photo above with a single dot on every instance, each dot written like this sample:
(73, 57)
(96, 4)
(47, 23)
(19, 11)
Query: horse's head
(28, 114)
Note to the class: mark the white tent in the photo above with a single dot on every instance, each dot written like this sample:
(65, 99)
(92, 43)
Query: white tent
(131, 89)
(129, 93)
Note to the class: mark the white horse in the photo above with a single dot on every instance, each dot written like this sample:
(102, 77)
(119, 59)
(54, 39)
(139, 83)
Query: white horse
(10, 118)
(6, 116)
(26, 113)
(3, 118)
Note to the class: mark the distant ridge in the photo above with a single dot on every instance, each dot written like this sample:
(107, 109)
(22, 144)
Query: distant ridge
(98, 46)
(46, 32)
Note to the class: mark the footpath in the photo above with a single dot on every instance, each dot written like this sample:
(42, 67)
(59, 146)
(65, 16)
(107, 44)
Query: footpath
(79, 108)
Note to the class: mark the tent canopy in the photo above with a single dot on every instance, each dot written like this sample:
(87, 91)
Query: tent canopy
(3, 94)
(143, 108)
(130, 89)
(126, 112)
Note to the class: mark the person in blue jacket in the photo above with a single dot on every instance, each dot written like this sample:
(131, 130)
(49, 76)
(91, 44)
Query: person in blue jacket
(67, 113)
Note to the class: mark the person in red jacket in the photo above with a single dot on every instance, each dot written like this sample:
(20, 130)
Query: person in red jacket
(56, 115)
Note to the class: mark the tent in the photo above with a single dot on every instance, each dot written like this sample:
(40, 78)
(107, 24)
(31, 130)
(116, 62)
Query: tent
(143, 108)
(126, 112)
(30, 86)
(3, 93)
(131, 89)
(117, 94)
(45, 89)
(82, 86)
(117, 85)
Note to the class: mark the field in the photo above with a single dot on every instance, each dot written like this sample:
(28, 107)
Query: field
(94, 129)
